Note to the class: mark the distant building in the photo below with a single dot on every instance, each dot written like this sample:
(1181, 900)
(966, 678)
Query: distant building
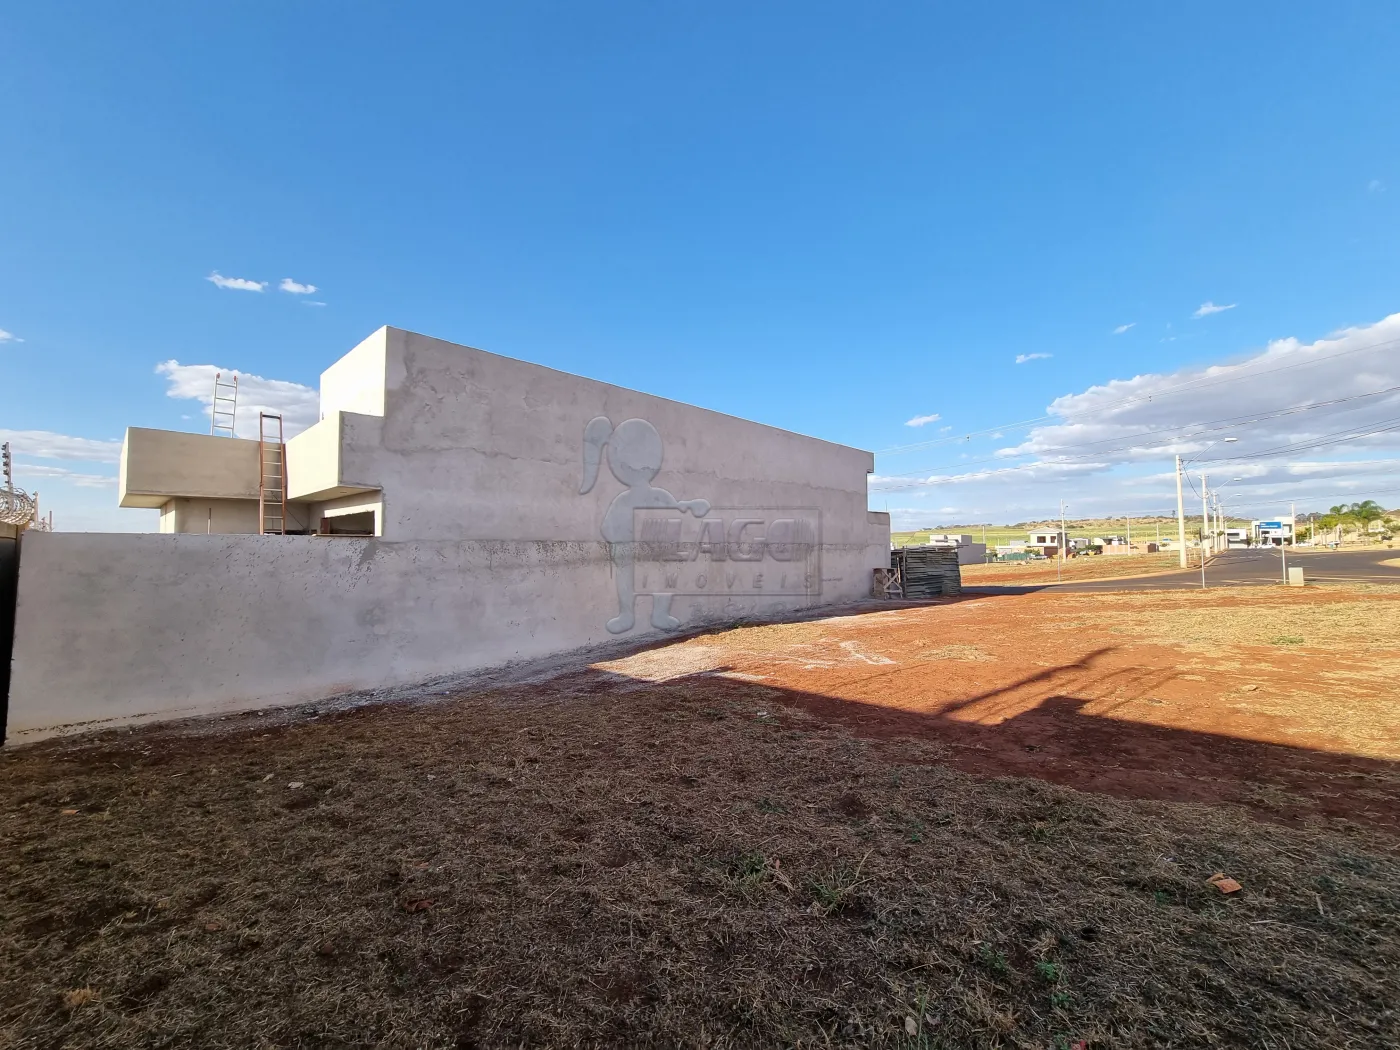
(1049, 543)
(1273, 533)
(969, 553)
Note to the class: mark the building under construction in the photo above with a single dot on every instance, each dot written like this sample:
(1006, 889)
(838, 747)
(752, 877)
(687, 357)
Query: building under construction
(450, 510)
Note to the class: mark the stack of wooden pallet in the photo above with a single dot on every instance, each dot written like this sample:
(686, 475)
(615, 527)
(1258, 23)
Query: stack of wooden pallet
(927, 572)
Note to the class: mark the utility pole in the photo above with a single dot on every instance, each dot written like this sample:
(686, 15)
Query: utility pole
(1205, 518)
(1180, 515)
(1064, 542)
(1203, 532)
(6, 464)
(1130, 534)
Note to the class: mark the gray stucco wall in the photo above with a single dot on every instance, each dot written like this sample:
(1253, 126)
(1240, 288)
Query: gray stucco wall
(120, 628)
(158, 464)
(525, 512)
(473, 445)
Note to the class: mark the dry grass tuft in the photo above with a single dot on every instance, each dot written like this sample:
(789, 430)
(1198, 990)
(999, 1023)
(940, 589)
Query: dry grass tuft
(968, 653)
(77, 997)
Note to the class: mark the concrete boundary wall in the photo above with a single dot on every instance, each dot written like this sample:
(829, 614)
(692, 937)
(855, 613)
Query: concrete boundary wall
(116, 628)
(9, 573)
(520, 512)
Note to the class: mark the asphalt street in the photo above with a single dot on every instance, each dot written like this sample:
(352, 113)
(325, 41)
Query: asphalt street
(1255, 567)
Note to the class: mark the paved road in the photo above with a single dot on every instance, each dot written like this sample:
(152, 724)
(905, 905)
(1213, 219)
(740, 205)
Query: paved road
(1254, 567)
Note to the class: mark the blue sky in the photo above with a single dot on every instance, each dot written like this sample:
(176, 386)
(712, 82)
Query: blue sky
(829, 219)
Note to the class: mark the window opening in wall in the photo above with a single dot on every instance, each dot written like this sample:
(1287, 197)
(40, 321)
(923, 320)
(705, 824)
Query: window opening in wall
(361, 524)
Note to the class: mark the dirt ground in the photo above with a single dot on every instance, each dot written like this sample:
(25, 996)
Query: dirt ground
(986, 822)
(1168, 695)
(1083, 567)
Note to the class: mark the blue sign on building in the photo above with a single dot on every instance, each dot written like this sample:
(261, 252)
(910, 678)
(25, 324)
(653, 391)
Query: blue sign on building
(1271, 524)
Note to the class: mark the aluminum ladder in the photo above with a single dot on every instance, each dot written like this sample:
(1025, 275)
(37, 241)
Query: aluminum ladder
(224, 410)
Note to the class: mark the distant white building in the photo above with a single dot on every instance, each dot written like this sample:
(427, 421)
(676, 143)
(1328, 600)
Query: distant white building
(1273, 533)
(969, 553)
(1050, 543)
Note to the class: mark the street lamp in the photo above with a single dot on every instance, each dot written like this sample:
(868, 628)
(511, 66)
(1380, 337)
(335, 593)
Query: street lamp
(1222, 520)
(1205, 513)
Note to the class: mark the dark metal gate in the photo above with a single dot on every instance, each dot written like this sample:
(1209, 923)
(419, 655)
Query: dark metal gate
(9, 585)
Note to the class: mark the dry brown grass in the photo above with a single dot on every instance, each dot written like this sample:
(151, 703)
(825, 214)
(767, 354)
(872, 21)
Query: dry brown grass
(969, 653)
(1346, 624)
(1088, 567)
(604, 860)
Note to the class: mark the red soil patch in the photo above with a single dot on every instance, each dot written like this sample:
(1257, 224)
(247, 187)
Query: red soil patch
(1081, 691)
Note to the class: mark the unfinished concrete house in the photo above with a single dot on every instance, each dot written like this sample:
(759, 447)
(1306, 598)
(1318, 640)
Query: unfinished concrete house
(451, 510)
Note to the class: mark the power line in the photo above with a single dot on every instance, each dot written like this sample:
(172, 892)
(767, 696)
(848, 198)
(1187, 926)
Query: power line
(1251, 502)
(1336, 438)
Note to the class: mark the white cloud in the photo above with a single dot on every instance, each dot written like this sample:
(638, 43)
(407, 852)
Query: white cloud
(299, 405)
(1207, 308)
(1375, 186)
(64, 488)
(312, 302)
(1124, 327)
(45, 444)
(922, 421)
(289, 285)
(1309, 420)
(84, 502)
(9, 337)
(241, 284)
(1172, 412)
(1043, 470)
(1023, 358)
(48, 479)
(29, 471)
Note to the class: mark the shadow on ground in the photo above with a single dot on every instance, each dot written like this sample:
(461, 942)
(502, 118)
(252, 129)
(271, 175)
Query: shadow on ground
(1058, 742)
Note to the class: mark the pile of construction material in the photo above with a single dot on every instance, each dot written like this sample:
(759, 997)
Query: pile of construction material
(927, 572)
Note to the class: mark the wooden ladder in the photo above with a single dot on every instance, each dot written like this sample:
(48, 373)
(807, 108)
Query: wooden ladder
(272, 475)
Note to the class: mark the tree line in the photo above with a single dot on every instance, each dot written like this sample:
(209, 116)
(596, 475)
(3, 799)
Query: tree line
(1360, 516)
